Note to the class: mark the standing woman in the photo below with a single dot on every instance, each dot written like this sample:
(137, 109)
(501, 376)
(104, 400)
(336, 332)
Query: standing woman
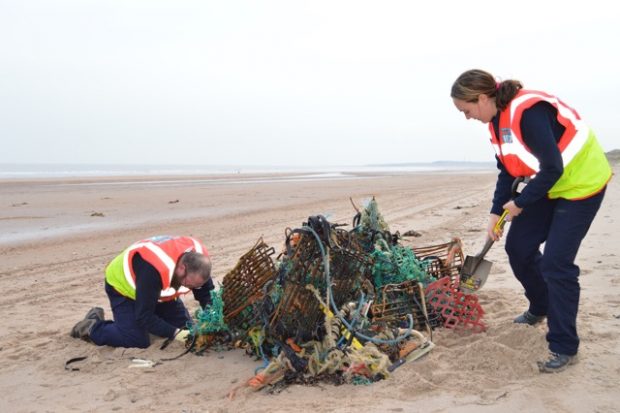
(538, 136)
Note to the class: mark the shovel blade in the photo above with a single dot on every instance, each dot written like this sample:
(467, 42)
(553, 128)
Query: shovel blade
(474, 274)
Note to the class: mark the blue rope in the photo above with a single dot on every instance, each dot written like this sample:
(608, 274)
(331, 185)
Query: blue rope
(336, 311)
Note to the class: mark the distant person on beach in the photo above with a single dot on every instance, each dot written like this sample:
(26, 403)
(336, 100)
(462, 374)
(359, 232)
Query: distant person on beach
(538, 136)
(144, 284)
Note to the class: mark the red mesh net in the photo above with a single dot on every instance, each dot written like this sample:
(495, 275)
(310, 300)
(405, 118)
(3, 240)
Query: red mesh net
(458, 310)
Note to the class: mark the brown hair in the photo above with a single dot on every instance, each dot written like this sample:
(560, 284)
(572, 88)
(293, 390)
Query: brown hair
(472, 83)
(197, 263)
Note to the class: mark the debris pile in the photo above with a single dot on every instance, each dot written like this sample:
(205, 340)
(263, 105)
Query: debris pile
(336, 305)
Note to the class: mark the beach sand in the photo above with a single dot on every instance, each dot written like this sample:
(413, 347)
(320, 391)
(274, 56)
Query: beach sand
(57, 236)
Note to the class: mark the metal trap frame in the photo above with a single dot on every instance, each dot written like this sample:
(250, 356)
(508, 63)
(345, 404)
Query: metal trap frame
(244, 285)
(399, 300)
(299, 314)
(442, 260)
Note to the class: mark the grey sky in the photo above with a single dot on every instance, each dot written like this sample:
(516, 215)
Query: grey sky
(285, 82)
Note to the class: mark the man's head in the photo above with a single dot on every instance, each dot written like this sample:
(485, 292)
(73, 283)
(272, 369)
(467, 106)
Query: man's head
(193, 269)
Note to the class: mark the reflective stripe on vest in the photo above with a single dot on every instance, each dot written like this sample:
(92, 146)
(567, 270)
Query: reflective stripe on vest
(165, 259)
(586, 169)
(119, 272)
(513, 153)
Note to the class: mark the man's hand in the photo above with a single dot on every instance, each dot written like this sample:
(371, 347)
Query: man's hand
(181, 335)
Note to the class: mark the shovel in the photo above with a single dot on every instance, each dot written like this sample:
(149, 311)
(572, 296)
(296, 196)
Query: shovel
(475, 270)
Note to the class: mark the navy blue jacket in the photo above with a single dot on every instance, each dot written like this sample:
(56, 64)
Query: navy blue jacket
(541, 132)
(148, 289)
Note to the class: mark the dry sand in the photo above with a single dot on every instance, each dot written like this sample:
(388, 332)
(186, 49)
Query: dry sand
(57, 236)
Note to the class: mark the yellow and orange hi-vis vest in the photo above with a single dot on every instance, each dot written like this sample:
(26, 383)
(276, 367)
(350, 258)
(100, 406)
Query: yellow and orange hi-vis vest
(586, 169)
(162, 252)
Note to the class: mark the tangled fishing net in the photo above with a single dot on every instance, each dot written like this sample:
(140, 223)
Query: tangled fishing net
(336, 306)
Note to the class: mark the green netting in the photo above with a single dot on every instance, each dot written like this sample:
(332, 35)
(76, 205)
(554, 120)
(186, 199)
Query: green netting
(396, 265)
(372, 218)
(276, 294)
(211, 319)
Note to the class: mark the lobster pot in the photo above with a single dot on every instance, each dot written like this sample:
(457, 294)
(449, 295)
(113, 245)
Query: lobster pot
(443, 260)
(245, 285)
(299, 313)
(458, 310)
(351, 241)
(399, 300)
(348, 268)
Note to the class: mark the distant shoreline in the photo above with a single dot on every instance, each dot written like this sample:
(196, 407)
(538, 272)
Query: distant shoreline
(66, 207)
(45, 171)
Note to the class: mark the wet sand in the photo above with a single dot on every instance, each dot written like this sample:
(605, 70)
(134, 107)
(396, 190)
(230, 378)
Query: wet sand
(56, 237)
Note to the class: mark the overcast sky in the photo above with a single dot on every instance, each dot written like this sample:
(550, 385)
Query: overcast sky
(286, 82)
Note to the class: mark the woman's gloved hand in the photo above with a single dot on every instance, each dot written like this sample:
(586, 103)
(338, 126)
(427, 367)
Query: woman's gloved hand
(513, 210)
(491, 233)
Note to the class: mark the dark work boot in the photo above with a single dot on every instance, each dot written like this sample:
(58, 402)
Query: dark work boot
(95, 313)
(529, 318)
(83, 328)
(556, 363)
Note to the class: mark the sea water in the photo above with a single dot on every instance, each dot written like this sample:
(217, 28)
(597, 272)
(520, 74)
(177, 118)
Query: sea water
(22, 221)
(42, 171)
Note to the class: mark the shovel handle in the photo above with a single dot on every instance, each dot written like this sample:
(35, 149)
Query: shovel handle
(485, 249)
(501, 222)
(499, 225)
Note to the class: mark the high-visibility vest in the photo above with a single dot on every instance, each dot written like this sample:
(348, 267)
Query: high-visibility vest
(586, 169)
(162, 252)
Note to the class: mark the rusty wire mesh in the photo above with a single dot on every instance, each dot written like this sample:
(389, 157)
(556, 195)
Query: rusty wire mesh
(299, 313)
(399, 300)
(442, 260)
(244, 285)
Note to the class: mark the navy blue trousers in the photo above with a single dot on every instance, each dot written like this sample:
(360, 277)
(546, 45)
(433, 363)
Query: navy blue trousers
(124, 331)
(551, 278)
